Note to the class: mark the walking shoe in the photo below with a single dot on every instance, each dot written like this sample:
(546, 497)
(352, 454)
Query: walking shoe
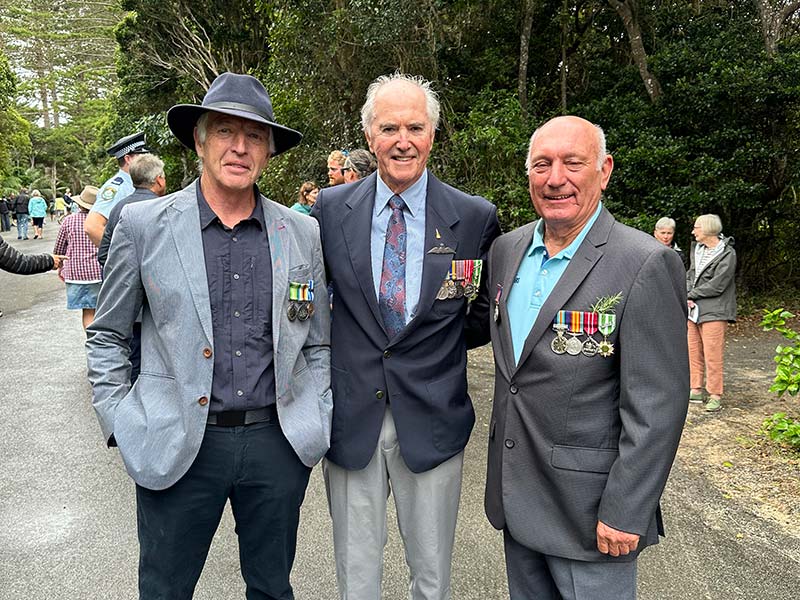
(696, 398)
(713, 404)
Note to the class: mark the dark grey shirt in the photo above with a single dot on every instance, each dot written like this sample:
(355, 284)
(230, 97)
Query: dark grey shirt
(138, 195)
(239, 271)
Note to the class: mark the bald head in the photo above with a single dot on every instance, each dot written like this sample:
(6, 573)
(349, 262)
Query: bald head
(576, 123)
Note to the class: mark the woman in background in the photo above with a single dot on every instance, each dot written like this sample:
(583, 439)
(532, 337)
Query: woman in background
(37, 209)
(712, 304)
(306, 198)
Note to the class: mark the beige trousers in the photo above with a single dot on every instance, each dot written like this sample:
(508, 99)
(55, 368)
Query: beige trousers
(706, 349)
(427, 506)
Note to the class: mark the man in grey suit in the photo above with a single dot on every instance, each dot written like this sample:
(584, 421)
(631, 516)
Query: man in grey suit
(402, 250)
(591, 379)
(233, 400)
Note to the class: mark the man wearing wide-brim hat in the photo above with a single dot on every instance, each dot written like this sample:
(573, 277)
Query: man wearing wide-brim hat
(117, 187)
(233, 401)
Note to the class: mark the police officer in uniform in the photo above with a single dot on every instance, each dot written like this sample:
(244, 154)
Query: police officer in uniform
(116, 188)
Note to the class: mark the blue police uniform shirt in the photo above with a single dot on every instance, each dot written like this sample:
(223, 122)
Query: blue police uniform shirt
(538, 274)
(414, 215)
(112, 191)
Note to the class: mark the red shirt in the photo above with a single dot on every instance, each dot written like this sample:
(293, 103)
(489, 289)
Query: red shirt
(72, 241)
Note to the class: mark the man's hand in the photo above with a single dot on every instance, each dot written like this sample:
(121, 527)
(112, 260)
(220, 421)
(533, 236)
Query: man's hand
(57, 260)
(690, 303)
(94, 226)
(615, 542)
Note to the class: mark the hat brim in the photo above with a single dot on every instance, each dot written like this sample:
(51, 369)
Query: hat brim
(182, 119)
(80, 202)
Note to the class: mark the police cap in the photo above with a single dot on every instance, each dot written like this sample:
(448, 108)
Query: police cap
(130, 144)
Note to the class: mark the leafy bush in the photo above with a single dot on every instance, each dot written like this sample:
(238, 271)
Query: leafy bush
(787, 373)
(783, 429)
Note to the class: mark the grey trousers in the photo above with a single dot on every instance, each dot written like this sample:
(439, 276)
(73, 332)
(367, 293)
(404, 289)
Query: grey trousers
(536, 576)
(427, 506)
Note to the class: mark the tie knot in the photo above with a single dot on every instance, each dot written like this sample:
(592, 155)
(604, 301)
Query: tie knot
(396, 203)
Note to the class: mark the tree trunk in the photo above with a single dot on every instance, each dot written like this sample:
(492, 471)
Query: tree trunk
(524, 43)
(773, 20)
(626, 11)
(564, 31)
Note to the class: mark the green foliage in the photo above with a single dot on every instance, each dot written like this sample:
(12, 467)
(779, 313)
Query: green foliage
(787, 376)
(783, 429)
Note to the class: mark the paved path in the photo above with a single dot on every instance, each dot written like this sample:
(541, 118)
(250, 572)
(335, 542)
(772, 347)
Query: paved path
(67, 512)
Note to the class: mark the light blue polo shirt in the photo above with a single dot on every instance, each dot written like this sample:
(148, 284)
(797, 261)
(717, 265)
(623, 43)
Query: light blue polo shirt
(414, 215)
(538, 274)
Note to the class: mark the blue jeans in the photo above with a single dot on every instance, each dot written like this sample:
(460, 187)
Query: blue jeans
(5, 222)
(22, 225)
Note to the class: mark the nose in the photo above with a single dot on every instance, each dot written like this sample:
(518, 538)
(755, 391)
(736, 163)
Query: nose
(403, 141)
(239, 142)
(557, 175)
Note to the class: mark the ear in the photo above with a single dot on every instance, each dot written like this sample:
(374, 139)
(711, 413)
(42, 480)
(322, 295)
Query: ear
(605, 171)
(197, 145)
(369, 143)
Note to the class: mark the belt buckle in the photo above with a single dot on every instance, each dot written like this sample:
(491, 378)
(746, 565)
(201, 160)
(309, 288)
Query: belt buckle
(231, 418)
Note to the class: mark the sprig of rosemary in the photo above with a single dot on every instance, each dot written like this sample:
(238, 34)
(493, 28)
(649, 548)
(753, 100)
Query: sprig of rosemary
(606, 303)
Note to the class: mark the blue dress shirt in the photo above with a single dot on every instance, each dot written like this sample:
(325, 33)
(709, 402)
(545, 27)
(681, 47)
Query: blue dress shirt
(538, 274)
(414, 214)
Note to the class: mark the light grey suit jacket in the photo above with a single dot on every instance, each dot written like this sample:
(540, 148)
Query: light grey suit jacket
(156, 265)
(574, 439)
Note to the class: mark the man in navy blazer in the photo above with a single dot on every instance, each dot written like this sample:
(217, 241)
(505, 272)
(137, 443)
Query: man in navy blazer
(402, 415)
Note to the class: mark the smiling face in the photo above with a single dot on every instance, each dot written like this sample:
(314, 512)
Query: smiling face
(234, 153)
(400, 135)
(564, 182)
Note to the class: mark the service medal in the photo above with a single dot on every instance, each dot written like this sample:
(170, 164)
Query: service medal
(559, 343)
(497, 302)
(302, 311)
(606, 323)
(590, 346)
(442, 293)
(459, 290)
(291, 312)
(310, 309)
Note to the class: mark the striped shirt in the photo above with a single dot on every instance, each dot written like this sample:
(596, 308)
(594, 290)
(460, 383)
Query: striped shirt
(81, 265)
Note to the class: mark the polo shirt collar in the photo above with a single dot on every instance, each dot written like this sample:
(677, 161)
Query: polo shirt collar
(569, 251)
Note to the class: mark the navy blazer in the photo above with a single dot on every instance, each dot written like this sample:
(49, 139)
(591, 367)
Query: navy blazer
(421, 373)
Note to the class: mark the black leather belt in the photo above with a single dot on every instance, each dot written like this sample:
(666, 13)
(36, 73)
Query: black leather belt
(236, 418)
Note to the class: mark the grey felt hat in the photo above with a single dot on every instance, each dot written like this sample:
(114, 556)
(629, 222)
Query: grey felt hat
(232, 94)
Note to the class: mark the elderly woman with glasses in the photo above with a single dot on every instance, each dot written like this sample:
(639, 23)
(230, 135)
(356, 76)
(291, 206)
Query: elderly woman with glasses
(712, 304)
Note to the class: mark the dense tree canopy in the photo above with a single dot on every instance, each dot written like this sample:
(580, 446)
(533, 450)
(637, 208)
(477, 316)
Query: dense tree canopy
(698, 98)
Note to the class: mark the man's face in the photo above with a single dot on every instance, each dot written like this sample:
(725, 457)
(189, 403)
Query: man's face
(564, 182)
(335, 173)
(665, 235)
(400, 135)
(235, 152)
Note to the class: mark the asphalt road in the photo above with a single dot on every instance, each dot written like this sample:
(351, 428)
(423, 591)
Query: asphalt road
(67, 511)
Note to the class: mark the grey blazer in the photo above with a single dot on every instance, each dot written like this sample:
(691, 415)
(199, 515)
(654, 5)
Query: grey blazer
(156, 265)
(574, 439)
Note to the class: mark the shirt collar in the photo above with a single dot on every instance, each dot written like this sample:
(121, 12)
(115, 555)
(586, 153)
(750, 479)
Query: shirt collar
(569, 251)
(413, 197)
(207, 215)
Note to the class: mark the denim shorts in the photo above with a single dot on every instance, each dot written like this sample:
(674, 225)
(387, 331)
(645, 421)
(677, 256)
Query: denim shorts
(82, 295)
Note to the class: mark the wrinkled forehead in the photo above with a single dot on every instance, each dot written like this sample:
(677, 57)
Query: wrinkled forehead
(216, 118)
(565, 137)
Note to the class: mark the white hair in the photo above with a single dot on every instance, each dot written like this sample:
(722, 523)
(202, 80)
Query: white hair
(202, 130)
(601, 147)
(432, 106)
(665, 223)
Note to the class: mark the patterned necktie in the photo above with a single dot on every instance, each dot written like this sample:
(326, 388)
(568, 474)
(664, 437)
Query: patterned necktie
(392, 294)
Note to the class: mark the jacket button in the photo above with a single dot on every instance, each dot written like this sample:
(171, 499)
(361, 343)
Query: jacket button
(387, 353)
(509, 444)
(513, 389)
(379, 394)
(207, 352)
(202, 401)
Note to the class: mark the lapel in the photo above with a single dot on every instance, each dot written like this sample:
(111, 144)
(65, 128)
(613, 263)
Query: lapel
(280, 255)
(183, 216)
(440, 216)
(584, 260)
(510, 266)
(357, 228)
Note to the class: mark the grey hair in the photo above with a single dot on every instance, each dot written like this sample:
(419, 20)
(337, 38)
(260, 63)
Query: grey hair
(709, 224)
(665, 223)
(362, 162)
(145, 168)
(202, 131)
(432, 106)
(601, 147)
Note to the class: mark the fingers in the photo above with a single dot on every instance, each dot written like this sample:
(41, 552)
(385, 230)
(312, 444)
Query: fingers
(615, 542)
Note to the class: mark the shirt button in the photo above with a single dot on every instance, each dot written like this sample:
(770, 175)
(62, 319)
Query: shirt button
(239, 393)
(379, 394)
(207, 352)
(513, 389)
(238, 353)
(387, 354)
(544, 271)
(510, 444)
(235, 239)
(236, 276)
(537, 293)
(202, 401)
(236, 313)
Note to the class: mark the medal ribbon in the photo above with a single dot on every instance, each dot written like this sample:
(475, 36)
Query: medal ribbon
(590, 322)
(294, 291)
(476, 274)
(607, 322)
(575, 321)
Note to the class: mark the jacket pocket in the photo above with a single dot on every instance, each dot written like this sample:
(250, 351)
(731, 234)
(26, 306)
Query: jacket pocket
(575, 458)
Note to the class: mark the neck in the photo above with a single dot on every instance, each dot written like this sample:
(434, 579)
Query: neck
(711, 242)
(557, 238)
(230, 206)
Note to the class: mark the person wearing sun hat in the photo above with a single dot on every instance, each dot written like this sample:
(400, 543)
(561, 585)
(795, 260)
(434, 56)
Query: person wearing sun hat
(233, 401)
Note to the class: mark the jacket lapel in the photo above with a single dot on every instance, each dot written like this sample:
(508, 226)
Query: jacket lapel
(277, 235)
(184, 221)
(584, 260)
(356, 228)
